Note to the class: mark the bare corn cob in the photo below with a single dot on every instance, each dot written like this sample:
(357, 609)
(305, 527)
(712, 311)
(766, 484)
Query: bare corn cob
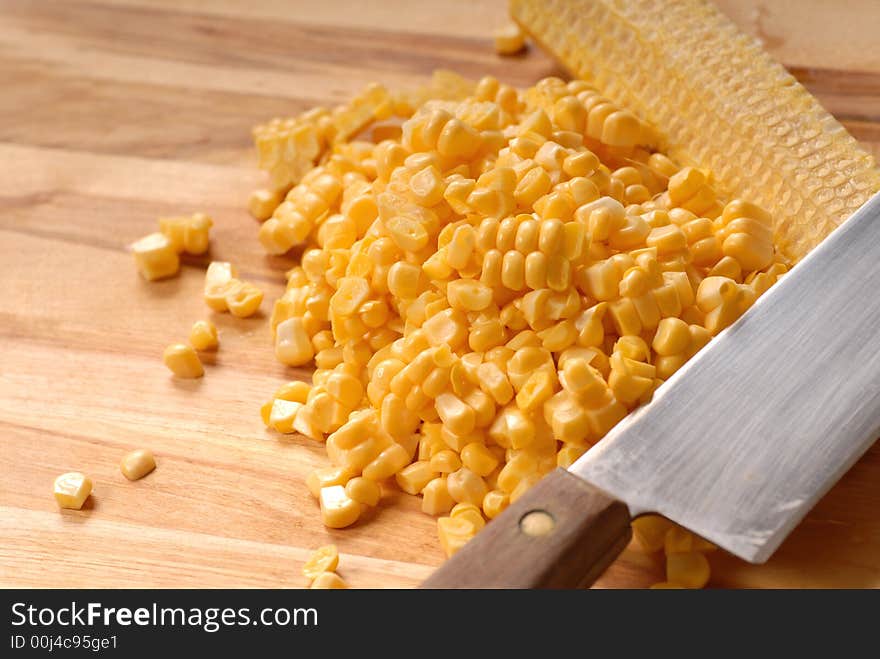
(720, 101)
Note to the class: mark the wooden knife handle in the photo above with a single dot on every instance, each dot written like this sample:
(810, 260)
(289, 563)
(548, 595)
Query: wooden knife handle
(562, 534)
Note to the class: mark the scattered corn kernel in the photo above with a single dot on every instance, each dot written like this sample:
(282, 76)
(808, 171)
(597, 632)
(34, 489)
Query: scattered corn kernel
(183, 361)
(203, 335)
(328, 581)
(338, 510)
(72, 489)
(155, 257)
(363, 490)
(509, 39)
(187, 233)
(137, 464)
(323, 559)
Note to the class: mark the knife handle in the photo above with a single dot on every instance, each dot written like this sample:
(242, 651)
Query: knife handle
(563, 533)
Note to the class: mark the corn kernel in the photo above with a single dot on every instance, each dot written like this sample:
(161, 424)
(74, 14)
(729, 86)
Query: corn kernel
(363, 490)
(650, 531)
(262, 203)
(243, 299)
(494, 503)
(387, 463)
(183, 361)
(296, 391)
(445, 462)
(292, 344)
(328, 581)
(509, 39)
(155, 257)
(72, 489)
(415, 477)
(464, 486)
(689, 570)
(469, 512)
(218, 278)
(436, 499)
(338, 510)
(454, 532)
(323, 560)
(326, 477)
(203, 335)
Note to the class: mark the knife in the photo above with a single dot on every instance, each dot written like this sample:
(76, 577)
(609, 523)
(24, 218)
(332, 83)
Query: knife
(737, 446)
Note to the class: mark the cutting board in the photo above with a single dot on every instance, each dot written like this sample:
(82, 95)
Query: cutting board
(115, 113)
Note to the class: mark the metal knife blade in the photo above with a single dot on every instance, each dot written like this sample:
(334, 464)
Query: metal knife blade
(741, 442)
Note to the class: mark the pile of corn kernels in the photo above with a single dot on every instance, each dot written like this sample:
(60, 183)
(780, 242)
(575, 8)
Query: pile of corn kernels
(491, 279)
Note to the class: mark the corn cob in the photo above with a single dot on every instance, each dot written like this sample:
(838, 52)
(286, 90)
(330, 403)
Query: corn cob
(719, 101)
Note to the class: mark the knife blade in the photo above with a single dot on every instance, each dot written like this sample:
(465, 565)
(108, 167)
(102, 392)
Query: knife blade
(737, 446)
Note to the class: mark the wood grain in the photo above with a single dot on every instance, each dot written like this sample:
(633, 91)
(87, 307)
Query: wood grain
(114, 113)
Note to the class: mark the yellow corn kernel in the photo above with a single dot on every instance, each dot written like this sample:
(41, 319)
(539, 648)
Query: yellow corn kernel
(454, 532)
(515, 470)
(650, 531)
(464, 486)
(513, 429)
(494, 382)
(436, 499)
(468, 295)
(338, 510)
(72, 489)
(532, 186)
(448, 327)
(426, 186)
(469, 512)
(137, 464)
(183, 361)
(194, 236)
(323, 560)
(346, 389)
(155, 257)
(203, 335)
(292, 344)
(387, 463)
(568, 455)
(218, 277)
(327, 477)
(364, 491)
(582, 380)
(328, 581)
(459, 417)
(461, 247)
(509, 39)
(415, 477)
(445, 462)
(262, 203)
(668, 239)
(407, 233)
(243, 299)
(478, 459)
(295, 391)
(689, 570)
(282, 415)
(537, 389)
(513, 270)
(494, 503)
(672, 337)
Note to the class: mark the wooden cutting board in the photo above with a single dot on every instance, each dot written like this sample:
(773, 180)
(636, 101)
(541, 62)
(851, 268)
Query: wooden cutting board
(114, 113)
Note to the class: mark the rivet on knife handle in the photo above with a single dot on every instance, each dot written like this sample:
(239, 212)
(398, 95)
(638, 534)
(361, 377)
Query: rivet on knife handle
(562, 534)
